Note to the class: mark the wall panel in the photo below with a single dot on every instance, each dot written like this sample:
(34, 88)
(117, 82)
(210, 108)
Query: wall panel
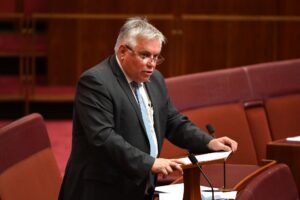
(204, 45)
(63, 52)
(199, 39)
(250, 42)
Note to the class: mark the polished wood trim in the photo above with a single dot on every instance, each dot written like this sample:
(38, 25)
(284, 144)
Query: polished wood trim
(266, 18)
(11, 16)
(99, 16)
(243, 183)
(51, 98)
(231, 18)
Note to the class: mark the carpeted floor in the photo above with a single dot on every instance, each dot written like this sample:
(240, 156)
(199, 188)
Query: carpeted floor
(60, 134)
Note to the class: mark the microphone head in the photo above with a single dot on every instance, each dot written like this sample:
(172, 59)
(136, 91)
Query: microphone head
(210, 129)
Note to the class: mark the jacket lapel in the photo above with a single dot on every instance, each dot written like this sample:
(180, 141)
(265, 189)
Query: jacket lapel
(127, 90)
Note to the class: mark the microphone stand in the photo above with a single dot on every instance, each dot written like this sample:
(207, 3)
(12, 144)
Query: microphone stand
(194, 160)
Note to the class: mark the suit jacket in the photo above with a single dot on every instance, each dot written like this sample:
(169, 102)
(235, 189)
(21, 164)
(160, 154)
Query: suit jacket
(110, 150)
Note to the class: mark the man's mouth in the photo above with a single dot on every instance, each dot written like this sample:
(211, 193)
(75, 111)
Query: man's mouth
(148, 72)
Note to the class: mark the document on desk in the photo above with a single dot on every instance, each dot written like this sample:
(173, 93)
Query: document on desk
(208, 157)
(294, 139)
(175, 192)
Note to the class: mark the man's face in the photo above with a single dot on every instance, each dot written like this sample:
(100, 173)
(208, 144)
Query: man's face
(139, 62)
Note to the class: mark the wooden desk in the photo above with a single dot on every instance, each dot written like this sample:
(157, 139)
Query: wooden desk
(286, 152)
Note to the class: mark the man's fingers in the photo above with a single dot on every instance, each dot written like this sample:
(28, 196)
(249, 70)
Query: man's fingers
(226, 148)
(178, 161)
(231, 143)
(164, 172)
(223, 143)
(169, 169)
(166, 166)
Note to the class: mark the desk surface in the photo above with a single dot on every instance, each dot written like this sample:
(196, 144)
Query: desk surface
(284, 142)
(287, 152)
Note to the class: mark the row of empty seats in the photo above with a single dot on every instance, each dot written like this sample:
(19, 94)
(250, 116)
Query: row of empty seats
(253, 104)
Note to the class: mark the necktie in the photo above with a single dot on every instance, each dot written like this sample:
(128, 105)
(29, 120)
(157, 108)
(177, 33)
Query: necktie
(143, 107)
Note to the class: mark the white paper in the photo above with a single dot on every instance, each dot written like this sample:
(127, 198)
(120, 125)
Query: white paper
(175, 192)
(208, 157)
(295, 139)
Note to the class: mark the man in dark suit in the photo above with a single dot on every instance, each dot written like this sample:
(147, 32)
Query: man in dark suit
(116, 144)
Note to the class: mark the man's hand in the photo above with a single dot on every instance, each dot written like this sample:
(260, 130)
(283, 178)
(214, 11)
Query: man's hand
(223, 143)
(166, 166)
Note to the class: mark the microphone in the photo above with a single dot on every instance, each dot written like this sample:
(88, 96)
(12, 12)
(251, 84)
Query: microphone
(194, 160)
(210, 129)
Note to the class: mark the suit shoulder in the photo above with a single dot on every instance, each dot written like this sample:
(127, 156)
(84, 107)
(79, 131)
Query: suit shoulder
(100, 70)
(157, 77)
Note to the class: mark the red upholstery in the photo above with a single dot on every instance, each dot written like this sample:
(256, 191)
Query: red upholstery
(209, 88)
(12, 86)
(200, 94)
(284, 115)
(28, 168)
(229, 120)
(234, 174)
(274, 79)
(12, 43)
(276, 183)
(259, 127)
(251, 104)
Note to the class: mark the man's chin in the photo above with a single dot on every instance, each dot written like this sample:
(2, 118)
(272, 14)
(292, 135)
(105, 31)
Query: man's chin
(145, 79)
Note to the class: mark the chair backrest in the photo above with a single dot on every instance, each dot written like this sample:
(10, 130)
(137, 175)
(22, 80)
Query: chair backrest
(28, 169)
(275, 183)
(284, 116)
(229, 120)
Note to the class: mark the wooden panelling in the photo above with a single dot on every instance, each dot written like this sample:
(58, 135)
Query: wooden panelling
(202, 35)
(252, 7)
(127, 7)
(96, 41)
(250, 42)
(58, 6)
(290, 7)
(63, 52)
(288, 40)
(232, 7)
(204, 46)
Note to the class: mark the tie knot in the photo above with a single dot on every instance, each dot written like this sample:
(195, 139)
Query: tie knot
(134, 84)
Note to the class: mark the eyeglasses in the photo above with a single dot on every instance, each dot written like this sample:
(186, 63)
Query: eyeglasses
(147, 57)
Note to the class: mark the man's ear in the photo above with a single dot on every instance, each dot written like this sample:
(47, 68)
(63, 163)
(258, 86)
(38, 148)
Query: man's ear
(121, 51)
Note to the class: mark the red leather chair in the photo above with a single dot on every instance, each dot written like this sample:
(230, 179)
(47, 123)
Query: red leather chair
(28, 167)
(276, 183)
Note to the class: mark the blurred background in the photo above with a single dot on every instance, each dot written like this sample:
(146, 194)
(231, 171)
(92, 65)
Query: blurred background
(46, 44)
